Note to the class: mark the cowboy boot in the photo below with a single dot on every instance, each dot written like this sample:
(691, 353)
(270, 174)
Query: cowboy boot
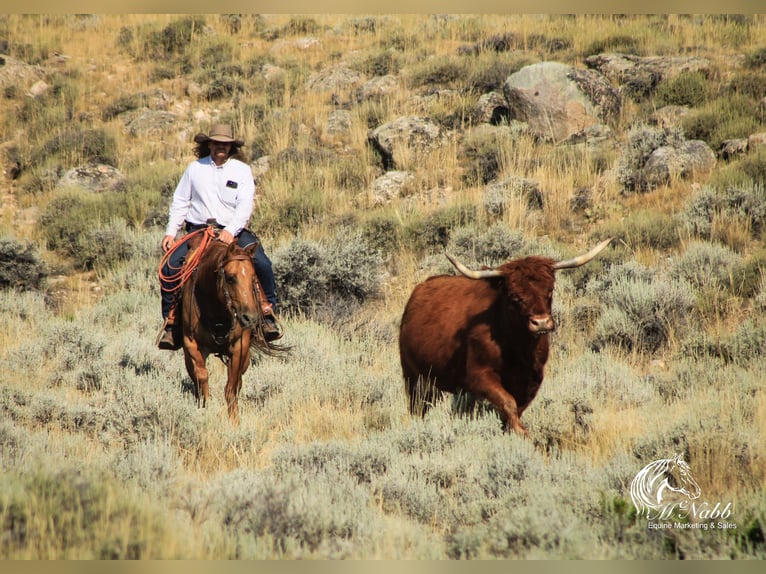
(167, 338)
(270, 326)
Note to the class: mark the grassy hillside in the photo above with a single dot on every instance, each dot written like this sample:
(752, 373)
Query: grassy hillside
(660, 343)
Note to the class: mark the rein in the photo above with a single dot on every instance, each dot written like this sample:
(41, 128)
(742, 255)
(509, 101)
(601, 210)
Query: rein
(222, 285)
(181, 274)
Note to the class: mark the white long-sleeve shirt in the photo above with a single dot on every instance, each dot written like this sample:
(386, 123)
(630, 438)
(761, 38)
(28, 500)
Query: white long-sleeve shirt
(226, 193)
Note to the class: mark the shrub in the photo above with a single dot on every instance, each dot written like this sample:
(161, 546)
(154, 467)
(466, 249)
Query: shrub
(646, 228)
(85, 228)
(294, 514)
(622, 43)
(706, 265)
(433, 230)
(174, 39)
(725, 118)
(641, 141)
(21, 267)
(380, 63)
(75, 147)
(383, 233)
(750, 84)
(756, 59)
(493, 247)
(685, 89)
(748, 275)
(311, 276)
(699, 212)
(481, 153)
(442, 71)
(641, 315)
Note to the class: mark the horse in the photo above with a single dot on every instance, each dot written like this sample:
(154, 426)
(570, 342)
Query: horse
(659, 479)
(221, 314)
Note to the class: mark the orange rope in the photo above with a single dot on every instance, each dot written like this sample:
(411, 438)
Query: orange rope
(181, 274)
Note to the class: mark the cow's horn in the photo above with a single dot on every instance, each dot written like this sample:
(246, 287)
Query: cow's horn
(583, 259)
(483, 274)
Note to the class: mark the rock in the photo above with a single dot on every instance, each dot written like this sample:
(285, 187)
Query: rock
(339, 122)
(376, 88)
(150, 122)
(17, 73)
(490, 109)
(95, 178)
(558, 101)
(756, 141)
(733, 148)
(414, 132)
(639, 76)
(334, 78)
(39, 88)
(689, 158)
(391, 185)
(498, 194)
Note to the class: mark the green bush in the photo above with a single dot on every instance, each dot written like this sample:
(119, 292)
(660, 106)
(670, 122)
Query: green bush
(313, 277)
(725, 118)
(383, 232)
(706, 265)
(642, 315)
(748, 275)
(685, 89)
(492, 247)
(21, 266)
(622, 43)
(88, 228)
(433, 230)
(756, 59)
(443, 71)
(380, 63)
(78, 146)
(750, 84)
(646, 228)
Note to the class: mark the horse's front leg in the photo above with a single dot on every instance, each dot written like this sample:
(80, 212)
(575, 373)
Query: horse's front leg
(195, 366)
(238, 364)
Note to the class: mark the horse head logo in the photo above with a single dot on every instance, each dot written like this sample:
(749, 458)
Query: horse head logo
(660, 480)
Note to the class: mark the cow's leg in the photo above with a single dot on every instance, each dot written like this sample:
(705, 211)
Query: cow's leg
(238, 364)
(507, 407)
(195, 366)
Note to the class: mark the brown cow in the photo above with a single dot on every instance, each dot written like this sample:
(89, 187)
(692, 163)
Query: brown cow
(485, 332)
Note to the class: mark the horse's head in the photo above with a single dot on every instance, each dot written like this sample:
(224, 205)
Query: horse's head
(236, 278)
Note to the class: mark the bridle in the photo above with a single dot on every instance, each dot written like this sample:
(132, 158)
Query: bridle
(222, 287)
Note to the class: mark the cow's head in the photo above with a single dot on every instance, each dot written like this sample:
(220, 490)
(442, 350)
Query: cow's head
(528, 284)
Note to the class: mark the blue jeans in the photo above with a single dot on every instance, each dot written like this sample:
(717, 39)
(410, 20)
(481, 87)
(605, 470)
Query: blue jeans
(261, 263)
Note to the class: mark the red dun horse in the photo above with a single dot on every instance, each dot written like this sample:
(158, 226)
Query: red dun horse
(221, 315)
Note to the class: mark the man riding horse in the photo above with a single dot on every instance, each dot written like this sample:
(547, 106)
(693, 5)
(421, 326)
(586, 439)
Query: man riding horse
(217, 189)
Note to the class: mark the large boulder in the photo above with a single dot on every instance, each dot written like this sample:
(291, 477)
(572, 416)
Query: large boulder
(413, 132)
(559, 101)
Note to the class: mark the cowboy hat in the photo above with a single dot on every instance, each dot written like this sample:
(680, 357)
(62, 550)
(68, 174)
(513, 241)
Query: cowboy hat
(219, 133)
